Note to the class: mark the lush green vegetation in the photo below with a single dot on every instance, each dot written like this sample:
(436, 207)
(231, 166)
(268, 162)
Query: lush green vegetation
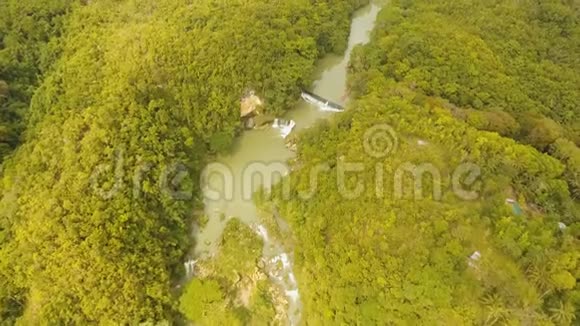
(127, 91)
(374, 259)
(507, 66)
(29, 45)
(104, 102)
(438, 72)
(231, 289)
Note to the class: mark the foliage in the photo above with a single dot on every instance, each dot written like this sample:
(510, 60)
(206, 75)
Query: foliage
(118, 98)
(201, 298)
(569, 153)
(509, 60)
(240, 250)
(496, 121)
(29, 44)
(131, 96)
(230, 291)
(379, 258)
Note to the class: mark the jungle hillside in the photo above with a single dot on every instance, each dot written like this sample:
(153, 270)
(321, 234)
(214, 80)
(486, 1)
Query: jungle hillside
(469, 214)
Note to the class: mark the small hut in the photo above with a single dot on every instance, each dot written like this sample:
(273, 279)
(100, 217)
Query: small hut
(249, 106)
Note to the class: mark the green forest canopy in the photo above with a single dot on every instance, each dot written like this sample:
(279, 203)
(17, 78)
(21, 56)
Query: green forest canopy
(233, 290)
(29, 31)
(510, 67)
(128, 88)
(131, 88)
(434, 72)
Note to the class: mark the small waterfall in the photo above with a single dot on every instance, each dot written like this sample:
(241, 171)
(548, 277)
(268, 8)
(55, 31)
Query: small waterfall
(283, 257)
(284, 276)
(293, 295)
(327, 108)
(284, 126)
(332, 82)
(292, 278)
(261, 230)
(190, 267)
(321, 103)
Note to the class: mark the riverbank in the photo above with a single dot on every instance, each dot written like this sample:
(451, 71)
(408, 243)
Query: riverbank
(417, 230)
(259, 160)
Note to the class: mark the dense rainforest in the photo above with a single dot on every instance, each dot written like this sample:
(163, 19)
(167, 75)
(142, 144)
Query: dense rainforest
(232, 289)
(104, 99)
(508, 67)
(490, 85)
(29, 31)
(106, 104)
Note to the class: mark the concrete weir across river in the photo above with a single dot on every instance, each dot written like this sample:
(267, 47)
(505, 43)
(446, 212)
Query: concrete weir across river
(264, 151)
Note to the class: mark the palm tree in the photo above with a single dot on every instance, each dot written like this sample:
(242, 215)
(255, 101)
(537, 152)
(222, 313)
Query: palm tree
(495, 308)
(563, 315)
